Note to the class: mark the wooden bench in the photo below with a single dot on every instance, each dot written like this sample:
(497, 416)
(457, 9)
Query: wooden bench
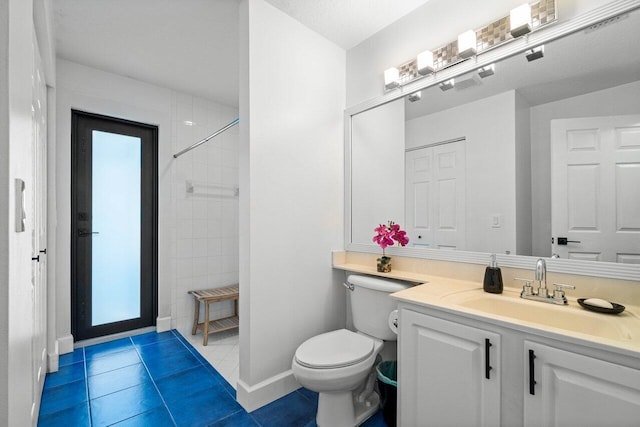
(208, 296)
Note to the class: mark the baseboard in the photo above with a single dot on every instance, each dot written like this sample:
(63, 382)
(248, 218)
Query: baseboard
(112, 337)
(265, 392)
(53, 359)
(163, 324)
(65, 344)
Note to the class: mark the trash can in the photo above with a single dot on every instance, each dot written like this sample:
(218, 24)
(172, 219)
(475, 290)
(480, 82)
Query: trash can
(388, 386)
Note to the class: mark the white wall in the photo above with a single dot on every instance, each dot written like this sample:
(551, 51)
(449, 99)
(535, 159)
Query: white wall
(619, 100)
(523, 176)
(204, 241)
(377, 170)
(430, 26)
(194, 232)
(291, 204)
(488, 125)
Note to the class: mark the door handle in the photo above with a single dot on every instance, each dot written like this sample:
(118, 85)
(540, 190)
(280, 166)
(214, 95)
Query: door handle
(532, 376)
(563, 241)
(85, 232)
(487, 358)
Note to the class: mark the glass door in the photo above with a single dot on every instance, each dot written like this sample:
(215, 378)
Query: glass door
(114, 217)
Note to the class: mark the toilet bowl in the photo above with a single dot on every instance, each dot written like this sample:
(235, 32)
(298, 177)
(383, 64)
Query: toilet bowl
(336, 365)
(340, 365)
(330, 368)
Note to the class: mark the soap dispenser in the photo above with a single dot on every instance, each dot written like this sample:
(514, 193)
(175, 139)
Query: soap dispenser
(493, 277)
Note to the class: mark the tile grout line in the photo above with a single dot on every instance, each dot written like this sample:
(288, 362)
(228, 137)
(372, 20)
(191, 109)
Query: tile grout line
(189, 347)
(198, 356)
(203, 363)
(229, 416)
(86, 385)
(153, 381)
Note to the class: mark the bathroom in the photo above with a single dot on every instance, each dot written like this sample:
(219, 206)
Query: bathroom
(289, 106)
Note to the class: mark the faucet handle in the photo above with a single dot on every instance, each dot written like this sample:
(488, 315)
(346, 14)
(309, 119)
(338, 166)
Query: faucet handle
(558, 293)
(527, 288)
(563, 286)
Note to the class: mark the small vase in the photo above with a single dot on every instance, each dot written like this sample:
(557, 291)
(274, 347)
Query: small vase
(384, 264)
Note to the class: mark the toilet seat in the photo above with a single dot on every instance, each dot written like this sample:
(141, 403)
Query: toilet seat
(335, 349)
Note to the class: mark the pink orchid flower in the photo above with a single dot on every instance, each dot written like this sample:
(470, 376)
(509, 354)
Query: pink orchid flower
(388, 235)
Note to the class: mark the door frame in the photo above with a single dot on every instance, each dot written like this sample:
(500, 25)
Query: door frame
(112, 328)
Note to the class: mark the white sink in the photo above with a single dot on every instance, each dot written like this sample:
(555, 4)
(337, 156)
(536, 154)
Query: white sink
(568, 317)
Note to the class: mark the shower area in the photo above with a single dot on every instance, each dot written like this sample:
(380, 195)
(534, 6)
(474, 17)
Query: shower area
(204, 232)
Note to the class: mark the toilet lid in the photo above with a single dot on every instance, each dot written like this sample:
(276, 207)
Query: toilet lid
(334, 350)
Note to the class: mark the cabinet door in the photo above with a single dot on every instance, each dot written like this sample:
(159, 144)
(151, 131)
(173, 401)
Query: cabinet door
(443, 369)
(571, 389)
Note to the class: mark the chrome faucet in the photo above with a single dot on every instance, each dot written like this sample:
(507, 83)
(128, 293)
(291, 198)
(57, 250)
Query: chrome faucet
(542, 293)
(541, 278)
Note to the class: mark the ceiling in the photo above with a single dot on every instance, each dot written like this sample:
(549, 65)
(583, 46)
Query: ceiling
(191, 45)
(347, 22)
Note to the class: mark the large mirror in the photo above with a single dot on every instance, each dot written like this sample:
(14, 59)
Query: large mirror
(542, 158)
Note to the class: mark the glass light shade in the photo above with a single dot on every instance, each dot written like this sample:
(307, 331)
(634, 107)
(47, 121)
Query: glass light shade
(391, 78)
(467, 44)
(425, 62)
(415, 96)
(535, 53)
(449, 84)
(487, 71)
(520, 19)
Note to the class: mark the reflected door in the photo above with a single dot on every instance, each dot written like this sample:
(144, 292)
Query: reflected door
(435, 196)
(595, 197)
(114, 225)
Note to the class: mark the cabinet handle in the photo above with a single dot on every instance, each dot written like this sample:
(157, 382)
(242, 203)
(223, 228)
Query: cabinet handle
(532, 381)
(487, 358)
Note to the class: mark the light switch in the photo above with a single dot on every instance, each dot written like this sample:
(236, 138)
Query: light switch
(496, 221)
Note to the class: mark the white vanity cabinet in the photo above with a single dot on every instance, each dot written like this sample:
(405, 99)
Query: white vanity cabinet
(448, 373)
(564, 388)
(443, 361)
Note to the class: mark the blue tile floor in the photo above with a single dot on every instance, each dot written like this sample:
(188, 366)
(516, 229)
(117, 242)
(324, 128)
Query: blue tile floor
(158, 379)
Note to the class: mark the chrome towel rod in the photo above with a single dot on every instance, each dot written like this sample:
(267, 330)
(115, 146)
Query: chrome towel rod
(197, 144)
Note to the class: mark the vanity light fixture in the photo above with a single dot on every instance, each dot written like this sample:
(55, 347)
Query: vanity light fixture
(447, 85)
(424, 63)
(391, 78)
(535, 53)
(467, 44)
(415, 96)
(520, 19)
(487, 71)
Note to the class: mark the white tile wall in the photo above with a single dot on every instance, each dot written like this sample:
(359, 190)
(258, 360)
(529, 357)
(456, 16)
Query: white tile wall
(205, 238)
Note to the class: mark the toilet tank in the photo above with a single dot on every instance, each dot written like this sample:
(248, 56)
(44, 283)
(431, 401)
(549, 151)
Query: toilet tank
(371, 304)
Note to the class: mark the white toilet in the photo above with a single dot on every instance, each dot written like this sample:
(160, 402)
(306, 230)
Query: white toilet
(340, 365)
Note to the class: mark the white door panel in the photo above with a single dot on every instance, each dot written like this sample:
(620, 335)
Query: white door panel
(628, 178)
(39, 232)
(572, 389)
(435, 202)
(444, 374)
(595, 179)
(418, 186)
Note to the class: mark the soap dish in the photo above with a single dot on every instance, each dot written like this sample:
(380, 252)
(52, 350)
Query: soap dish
(617, 308)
